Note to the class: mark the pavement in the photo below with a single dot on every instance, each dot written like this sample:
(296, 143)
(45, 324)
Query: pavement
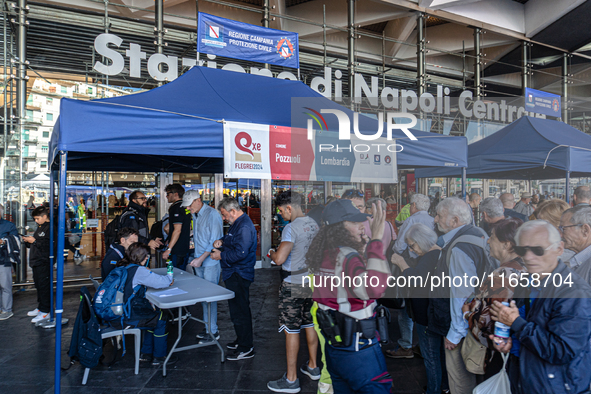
(27, 354)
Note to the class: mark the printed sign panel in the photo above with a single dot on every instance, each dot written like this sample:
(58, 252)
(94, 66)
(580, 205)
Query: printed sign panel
(238, 40)
(246, 150)
(542, 102)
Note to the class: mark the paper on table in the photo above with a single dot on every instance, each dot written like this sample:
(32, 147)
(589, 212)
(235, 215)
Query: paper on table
(170, 292)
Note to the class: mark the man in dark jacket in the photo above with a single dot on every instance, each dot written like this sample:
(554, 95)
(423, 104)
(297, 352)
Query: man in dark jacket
(237, 254)
(554, 336)
(9, 253)
(508, 201)
(40, 263)
(136, 216)
(116, 251)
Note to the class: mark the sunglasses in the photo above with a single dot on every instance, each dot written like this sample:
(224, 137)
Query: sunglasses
(537, 250)
(353, 193)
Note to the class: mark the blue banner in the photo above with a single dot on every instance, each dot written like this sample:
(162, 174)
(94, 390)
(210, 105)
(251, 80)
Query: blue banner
(542, 102)
(228, 38)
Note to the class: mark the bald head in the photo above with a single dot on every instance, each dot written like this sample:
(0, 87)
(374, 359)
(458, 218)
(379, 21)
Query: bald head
(582, 195)
(474, 200)
(508, 200)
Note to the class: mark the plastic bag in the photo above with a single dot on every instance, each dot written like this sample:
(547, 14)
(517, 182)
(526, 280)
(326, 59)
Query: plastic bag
(496, 384)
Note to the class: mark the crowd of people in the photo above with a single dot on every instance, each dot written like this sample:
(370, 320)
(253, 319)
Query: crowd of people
(533, 259)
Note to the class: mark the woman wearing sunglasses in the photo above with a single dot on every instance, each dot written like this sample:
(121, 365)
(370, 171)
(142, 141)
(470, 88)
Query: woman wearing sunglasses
(477, 308)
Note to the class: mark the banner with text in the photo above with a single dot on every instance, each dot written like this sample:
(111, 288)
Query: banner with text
(285, 153)
(238, 40)
(542, 102)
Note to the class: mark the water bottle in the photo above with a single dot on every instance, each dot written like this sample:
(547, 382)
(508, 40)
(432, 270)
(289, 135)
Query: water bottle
(169, 269)
(502, 331)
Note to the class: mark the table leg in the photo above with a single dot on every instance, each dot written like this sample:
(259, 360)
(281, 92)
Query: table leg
(211, 333)
(175, 343)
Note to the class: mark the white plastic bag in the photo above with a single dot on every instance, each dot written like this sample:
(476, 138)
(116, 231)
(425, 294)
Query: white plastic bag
(497, 384)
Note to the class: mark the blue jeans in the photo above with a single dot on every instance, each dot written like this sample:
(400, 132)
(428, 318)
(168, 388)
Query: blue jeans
(433, 354)
(405, 323)
(210, 274)
(362, 372)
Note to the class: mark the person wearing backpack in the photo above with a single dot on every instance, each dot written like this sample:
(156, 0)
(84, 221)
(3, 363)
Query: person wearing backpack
(142, 313)
(116, 251)
(135, 215)
(464, 252)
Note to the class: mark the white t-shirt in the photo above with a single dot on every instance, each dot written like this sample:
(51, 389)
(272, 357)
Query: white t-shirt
(300, 232)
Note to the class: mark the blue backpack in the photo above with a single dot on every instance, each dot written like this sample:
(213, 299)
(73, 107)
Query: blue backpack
(109, 301)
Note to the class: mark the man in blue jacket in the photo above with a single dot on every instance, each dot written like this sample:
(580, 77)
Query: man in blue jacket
(237, 254)
(9, 253)
(554, 335)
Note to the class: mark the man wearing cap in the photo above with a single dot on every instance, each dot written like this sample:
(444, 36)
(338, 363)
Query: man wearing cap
(207, 228)
(523, 206)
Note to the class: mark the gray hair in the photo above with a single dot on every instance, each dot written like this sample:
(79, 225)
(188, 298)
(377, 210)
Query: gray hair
(377, 200)
(553, 234)
(229, 203)
(422, 235)
(456, 207)
(507, 199)
(580, 215)
(421, 201)
(493, 207)
(583, 193)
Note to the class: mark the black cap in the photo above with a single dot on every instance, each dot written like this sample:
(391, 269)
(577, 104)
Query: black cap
(342, 210)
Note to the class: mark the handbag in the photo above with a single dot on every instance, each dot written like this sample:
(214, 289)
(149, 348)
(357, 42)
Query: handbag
(474, 354)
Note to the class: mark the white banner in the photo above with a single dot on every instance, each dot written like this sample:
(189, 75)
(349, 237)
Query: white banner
(246, 150)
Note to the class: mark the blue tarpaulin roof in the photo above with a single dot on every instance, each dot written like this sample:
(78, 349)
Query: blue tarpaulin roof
(178, 127)
(529, 148)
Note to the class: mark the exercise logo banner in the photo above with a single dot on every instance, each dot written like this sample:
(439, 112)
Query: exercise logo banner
(542, 102)
(238, 40)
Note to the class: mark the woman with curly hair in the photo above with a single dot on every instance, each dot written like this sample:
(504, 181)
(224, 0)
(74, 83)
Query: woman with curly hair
(346, 286)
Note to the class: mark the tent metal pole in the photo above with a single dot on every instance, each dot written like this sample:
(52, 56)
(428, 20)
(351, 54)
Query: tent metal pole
(565, 82)
(567, 187)
(59, 304)
(51, 237)
(463, 183)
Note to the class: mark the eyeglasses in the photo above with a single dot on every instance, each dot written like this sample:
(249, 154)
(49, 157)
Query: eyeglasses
(352, 193)
(412, 246)
(142, 198)
(561, 228)
(537, 250)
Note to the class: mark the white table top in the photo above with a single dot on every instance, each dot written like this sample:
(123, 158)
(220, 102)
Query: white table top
(198, 290)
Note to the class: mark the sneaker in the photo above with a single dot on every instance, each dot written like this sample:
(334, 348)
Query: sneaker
(146, 357)
(158, 361)
(400, 353)
(33, 313)
(283, 386)
(6, 315)
(238, 355)
(79, 259)
(202, 334)
(325, 388)
(208, 338)
(232, 345)
(40, 316)
(313, 373)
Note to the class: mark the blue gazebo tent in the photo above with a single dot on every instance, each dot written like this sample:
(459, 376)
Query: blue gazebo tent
(529, 148)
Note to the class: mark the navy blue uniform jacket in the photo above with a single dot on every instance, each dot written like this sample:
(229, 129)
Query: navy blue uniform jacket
(240, 245)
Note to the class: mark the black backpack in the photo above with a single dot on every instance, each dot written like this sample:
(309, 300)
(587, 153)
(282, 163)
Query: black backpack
(86, 345)
(111, 231)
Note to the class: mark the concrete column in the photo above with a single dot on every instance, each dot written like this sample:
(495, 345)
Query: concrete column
(164, 179)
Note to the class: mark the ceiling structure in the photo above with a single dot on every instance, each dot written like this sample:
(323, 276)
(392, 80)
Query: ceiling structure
(554, 27)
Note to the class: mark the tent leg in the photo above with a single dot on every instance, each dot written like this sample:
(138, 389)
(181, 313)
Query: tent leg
(463, 183)
(59, 302)
(567, 187)
(51, 237)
